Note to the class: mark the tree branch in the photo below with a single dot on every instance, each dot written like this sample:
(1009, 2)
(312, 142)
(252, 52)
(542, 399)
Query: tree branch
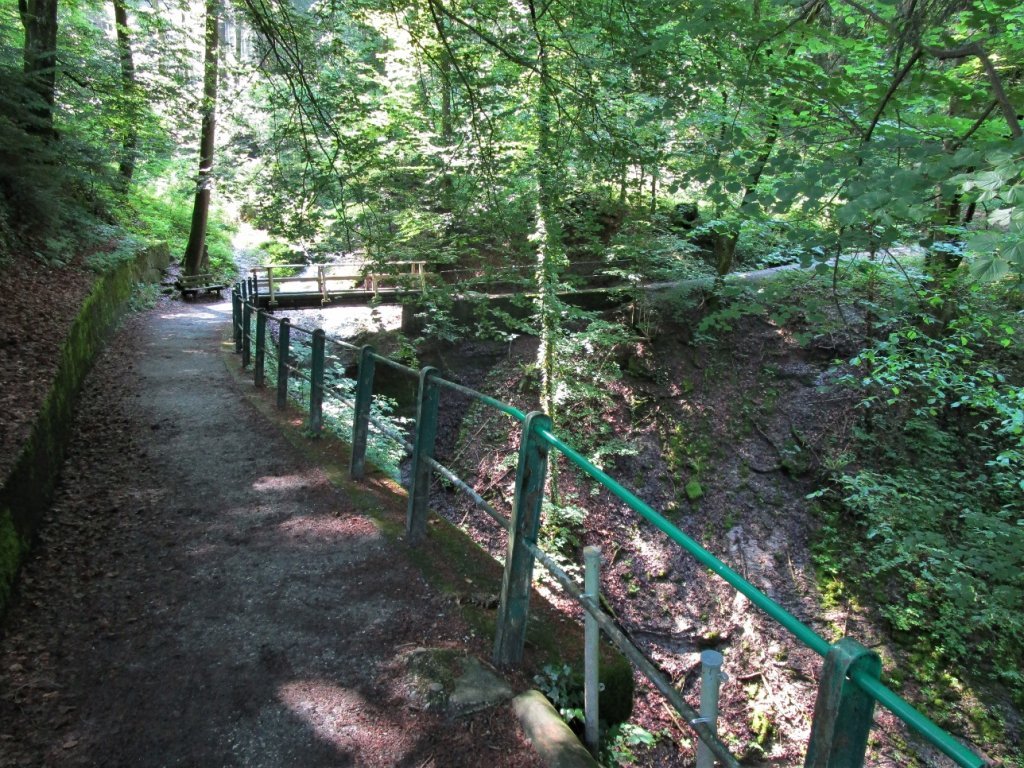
(977, 124)
(1009, 113)
(489, 39)
(900, 76)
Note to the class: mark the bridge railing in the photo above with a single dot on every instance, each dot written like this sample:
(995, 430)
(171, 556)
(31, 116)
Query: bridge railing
(269, 278)
(849, 686)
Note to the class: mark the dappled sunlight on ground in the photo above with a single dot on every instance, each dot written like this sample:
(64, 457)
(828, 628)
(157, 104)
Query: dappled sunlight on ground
(196, 314)
(343, 717)
(322, 526)
(284, 482)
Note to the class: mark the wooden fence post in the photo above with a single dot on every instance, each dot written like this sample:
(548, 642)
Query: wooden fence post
(246, 335)
(423, 449)
(261, 348)
(283, 348)
(514, 607)
(316, 384)
(236, 317)
(361, 413)
(842, 712)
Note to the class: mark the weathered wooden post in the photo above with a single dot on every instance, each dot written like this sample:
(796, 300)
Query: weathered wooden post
(423, 448)
(246, 334)
(283, 348)
(843, 711)
(361, 413)
(316, 383)
(526, 506)
(236, 317)
(261, 348)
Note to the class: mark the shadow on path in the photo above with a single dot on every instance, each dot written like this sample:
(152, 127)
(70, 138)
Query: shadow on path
(203, 596)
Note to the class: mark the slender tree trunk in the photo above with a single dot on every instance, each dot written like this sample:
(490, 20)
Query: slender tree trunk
(655, 173)
(725, 242)
(129, 147)
(447, 128)
(550, 247)
(39, 18)
(201, 209)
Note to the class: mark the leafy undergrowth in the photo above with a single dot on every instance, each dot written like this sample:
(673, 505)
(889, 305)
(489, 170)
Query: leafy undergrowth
(747, 429)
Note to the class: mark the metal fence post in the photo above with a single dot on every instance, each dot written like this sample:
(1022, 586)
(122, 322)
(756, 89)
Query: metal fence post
(843, 711)
(515, 583)
(423, 449)
(246, 335)
(236, 317)
(316, 384)
(261, 347)
(283, 346)
(711, 677)
(591, 646)
(361, 413)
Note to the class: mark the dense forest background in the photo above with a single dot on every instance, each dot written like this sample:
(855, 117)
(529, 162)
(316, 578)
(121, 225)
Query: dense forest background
(547, 145)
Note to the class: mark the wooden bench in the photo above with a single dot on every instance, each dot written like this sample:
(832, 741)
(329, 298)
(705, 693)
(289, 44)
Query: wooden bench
(192, 285)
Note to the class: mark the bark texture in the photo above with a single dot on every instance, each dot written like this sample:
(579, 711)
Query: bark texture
(201, 208)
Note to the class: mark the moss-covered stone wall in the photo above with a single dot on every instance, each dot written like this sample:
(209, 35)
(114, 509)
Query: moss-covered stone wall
(27, 491)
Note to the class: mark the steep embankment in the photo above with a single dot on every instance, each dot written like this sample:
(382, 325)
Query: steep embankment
(726, 437)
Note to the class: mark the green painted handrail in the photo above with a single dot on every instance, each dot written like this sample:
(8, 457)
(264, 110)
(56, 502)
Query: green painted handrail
(508, 410)
(883, 695)
(804, 634)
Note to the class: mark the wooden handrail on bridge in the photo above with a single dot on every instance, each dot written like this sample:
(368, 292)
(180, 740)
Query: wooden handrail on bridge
(370, 281)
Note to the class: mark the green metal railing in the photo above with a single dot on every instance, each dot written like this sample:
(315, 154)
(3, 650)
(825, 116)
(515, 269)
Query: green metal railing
(849, 687)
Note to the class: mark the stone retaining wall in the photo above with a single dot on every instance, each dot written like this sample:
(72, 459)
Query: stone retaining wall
(27, 491)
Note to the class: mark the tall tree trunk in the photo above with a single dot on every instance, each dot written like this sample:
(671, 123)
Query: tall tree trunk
(447, 128)
(550, 247)
(39, 18)
(129, 146)
(201, 209)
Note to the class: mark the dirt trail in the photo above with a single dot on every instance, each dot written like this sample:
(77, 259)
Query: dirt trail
(202, 596)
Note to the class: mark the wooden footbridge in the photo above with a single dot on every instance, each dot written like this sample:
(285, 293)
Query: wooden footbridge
(297, 286)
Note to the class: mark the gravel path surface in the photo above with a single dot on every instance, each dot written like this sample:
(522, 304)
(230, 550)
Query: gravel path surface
(202, 596)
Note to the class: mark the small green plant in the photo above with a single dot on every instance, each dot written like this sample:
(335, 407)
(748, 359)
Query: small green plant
(926, 503)
(563, 687)
(587, 364)
(560, 533)
(620, 740)
(144, 296)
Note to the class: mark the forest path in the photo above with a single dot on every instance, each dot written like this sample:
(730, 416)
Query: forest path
(203, 596)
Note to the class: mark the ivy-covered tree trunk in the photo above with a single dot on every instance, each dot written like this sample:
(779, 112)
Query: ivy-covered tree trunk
(195, 249)
(129, 146)
(550, 249)
(39, 18)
